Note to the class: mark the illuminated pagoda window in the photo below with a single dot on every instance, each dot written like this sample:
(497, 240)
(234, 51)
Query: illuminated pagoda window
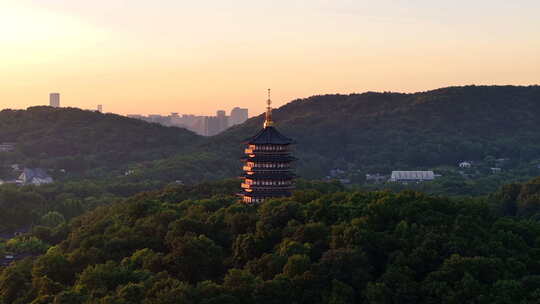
(267, 164)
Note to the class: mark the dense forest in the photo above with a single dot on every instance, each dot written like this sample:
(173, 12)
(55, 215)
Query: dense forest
(197, 244)
(24, 207)
(85, 142)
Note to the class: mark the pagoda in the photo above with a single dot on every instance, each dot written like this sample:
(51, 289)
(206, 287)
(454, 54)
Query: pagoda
(267, 163)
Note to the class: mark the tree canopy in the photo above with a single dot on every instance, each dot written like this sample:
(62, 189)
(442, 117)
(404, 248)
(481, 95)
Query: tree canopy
(322, 245)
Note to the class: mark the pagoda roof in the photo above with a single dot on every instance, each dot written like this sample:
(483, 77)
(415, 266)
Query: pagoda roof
(269, 136)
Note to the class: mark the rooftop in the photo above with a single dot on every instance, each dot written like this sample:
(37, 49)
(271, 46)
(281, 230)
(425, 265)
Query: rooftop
(412, 175)
(35, 173)
(269, 136)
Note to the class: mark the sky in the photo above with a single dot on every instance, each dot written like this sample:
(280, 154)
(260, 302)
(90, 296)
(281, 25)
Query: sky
(162, 56)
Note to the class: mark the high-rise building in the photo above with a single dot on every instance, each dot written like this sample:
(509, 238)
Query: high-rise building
(267, 164)
(190, 119)
(212, 125)
(238, 116)
(216, 124)
(100, 108)
(199, 125)
(54, 100)
(223, 120)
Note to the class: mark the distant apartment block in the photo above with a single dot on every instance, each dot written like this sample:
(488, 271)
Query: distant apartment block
(238, 116)
(54, 100)
(100, 108)
(216, 124)
(222, 121)
(202, 125)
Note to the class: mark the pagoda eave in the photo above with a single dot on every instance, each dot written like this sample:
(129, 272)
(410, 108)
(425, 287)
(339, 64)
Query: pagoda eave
(264, 158)
(261, 175)
(265, 194)
(267, 188)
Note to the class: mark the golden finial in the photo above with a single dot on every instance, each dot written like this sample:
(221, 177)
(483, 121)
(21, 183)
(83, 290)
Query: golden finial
(268, 119)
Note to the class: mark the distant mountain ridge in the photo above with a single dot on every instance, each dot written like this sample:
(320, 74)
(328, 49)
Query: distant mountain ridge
(380, 132)
(361, 133)
(79, 140)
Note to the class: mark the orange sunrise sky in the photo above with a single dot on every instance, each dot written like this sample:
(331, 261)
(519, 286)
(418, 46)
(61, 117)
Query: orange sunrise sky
(162, 56)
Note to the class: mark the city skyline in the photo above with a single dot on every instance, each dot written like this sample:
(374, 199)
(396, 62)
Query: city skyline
(159, 57)
(206, 125)
(54, 101)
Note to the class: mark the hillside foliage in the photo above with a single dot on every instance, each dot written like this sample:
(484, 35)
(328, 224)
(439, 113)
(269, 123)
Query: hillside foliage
(381, 132)
(24, 207)
(357, 133)
(84, 142)
(323, 245)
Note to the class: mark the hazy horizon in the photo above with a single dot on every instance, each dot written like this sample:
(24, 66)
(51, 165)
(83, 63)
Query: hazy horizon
(142, 57)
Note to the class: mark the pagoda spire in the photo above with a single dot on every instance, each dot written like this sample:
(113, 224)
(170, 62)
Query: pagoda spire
(268, 117)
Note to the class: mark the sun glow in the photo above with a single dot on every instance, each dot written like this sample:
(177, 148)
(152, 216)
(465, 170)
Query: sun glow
(165, 56)
(32, 35)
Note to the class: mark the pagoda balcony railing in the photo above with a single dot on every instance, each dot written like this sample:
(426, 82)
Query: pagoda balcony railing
(258, 169)
(252, 151)
(256, 187)
(267, 187)
(268, 183)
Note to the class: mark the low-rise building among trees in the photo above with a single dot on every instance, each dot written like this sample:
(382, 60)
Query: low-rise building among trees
(495, 170)
(412, 176)
(376, 178)
(36, 176)
(7, 147)
(465, 165)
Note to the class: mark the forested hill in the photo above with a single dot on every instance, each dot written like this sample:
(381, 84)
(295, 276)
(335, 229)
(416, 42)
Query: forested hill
(391, 130)
(359, 133)
(183, 245)
(380, 132)
(78, 141)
